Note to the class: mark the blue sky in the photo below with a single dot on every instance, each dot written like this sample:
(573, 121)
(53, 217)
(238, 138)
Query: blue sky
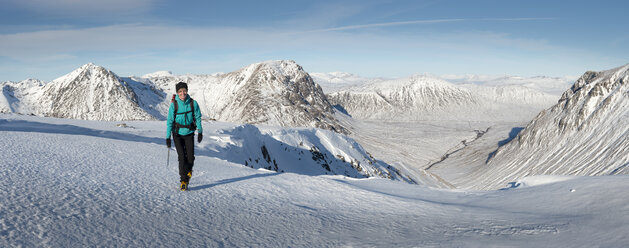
(46, 39)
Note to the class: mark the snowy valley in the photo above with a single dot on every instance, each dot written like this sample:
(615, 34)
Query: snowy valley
(585, 133)
(298, 159)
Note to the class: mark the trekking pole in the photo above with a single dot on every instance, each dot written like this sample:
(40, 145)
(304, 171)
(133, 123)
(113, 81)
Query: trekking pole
(168, 159)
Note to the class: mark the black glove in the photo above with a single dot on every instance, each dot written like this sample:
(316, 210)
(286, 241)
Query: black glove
(168, 143)
(200, 137)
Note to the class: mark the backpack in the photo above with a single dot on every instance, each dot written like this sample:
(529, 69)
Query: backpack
(176, 125)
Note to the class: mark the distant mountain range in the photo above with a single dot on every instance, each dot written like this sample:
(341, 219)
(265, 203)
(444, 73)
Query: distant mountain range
(273, 92)
(423, 97)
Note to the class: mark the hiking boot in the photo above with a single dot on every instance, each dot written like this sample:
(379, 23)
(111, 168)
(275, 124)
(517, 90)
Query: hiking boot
(184, 186)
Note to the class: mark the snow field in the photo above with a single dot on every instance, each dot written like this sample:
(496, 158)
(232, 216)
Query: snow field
(87, 183)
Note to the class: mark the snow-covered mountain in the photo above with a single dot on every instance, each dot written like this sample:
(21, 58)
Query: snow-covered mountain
(90, 92)
(406, 98)
(423, 97)
(273, 92)
(277, 93)
(585, 133)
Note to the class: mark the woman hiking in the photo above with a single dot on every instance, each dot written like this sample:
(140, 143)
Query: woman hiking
(184, 117)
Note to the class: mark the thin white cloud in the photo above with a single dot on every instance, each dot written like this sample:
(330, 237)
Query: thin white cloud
(387, 24)
(518, 19)
(384, 24)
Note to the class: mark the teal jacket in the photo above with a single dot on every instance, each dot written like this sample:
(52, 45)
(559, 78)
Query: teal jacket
(183, 119)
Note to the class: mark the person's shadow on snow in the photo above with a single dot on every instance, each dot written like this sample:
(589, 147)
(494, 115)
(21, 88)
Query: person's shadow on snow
(233, 180)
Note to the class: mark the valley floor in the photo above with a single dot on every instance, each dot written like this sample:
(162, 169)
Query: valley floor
(433, 153)
(85, 183)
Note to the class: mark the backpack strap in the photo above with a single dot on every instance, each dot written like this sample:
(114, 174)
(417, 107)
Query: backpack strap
(194, 120)
(175, 130)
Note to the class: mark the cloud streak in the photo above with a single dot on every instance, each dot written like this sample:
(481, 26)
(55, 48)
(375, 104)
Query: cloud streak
(434, 21)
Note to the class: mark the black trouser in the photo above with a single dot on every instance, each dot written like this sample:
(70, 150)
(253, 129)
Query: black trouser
(185, 152)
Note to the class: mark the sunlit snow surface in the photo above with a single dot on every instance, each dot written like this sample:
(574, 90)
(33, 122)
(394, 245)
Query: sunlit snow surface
(71, 183)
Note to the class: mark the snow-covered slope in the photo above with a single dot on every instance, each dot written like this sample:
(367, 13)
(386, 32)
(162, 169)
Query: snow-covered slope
(585, 133)
(76, 183)
(423, 97)
(20, 97)
(304, 151)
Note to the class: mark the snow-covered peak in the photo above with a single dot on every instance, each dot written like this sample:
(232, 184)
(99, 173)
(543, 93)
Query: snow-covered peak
(276, 92)
(593, 95)
(158, 74)
(414, 83)
(91, 92)
(270, 68)
(284, 66)
(413, 98)
(89, 70)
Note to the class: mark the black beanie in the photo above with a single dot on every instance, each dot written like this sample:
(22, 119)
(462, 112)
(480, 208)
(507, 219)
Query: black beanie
(181, 85)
